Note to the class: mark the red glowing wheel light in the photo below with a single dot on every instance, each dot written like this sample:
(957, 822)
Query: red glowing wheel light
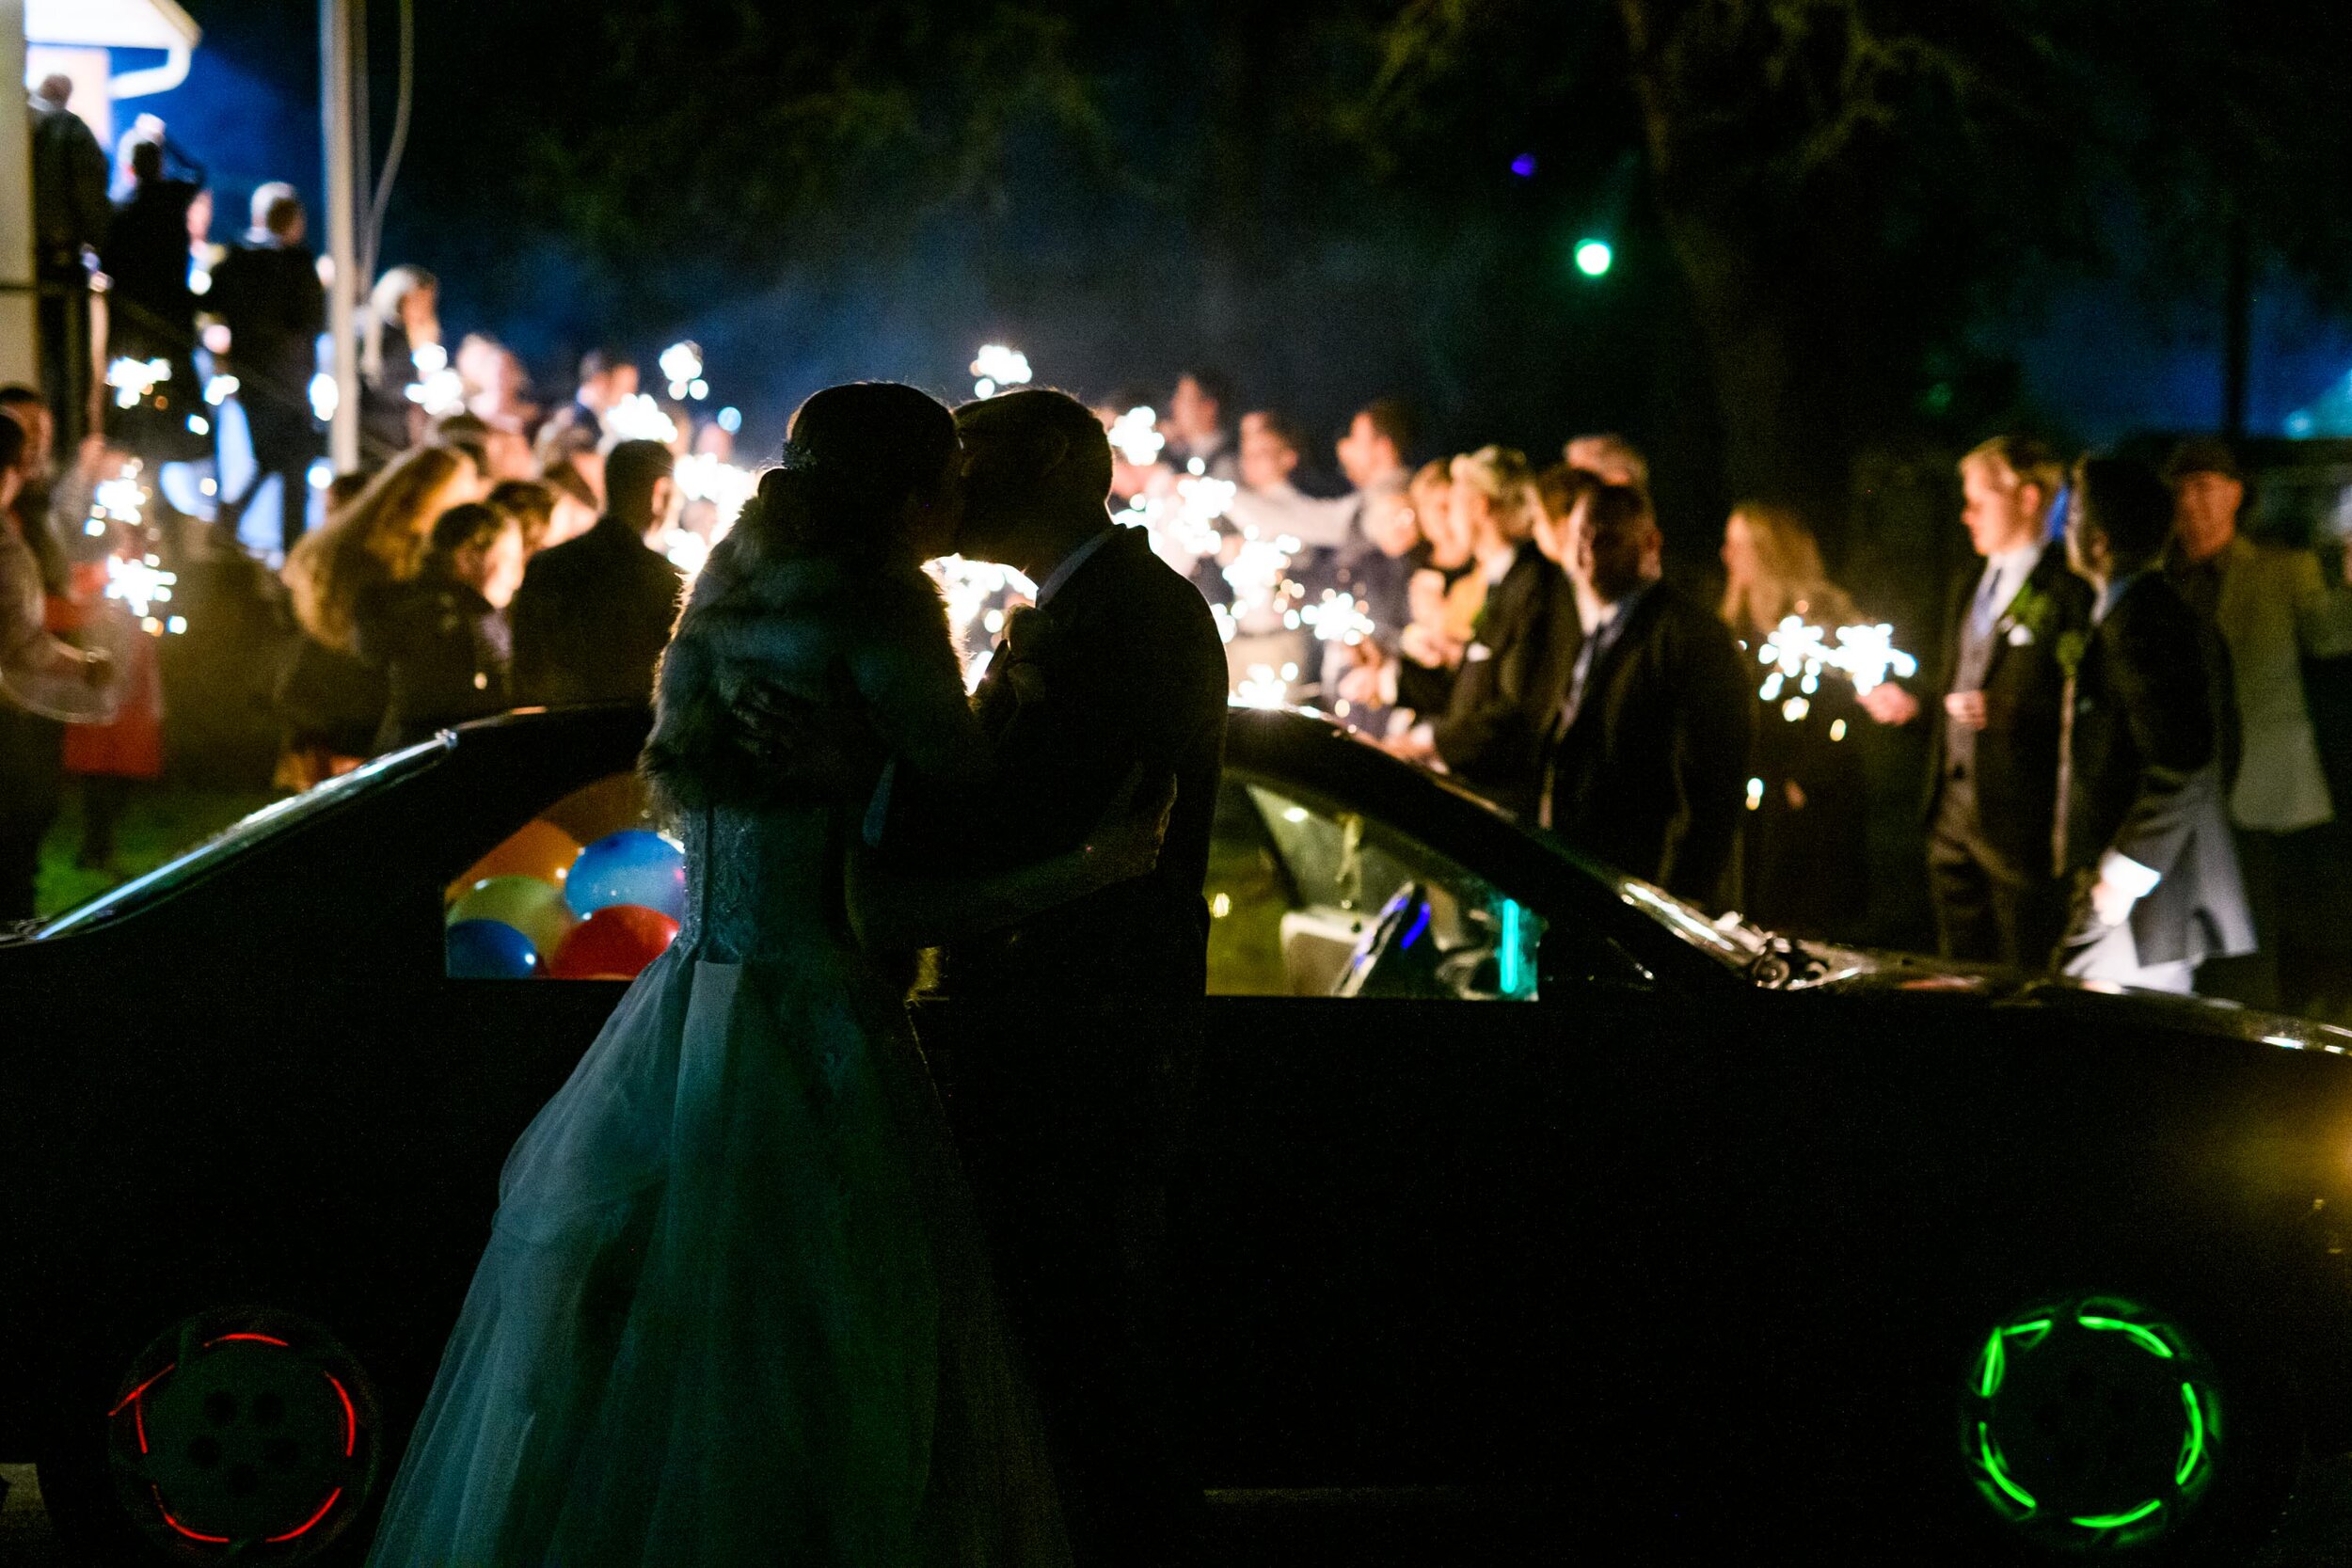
(232, 1449)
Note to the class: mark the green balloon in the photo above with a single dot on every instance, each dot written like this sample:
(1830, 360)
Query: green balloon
(534, 908)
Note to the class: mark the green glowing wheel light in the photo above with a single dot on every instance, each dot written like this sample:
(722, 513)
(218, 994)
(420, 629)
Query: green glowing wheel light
(2090, 1423)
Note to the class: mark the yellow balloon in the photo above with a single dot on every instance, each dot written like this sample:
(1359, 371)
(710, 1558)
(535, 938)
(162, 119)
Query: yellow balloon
(534, 908)
(537, 848)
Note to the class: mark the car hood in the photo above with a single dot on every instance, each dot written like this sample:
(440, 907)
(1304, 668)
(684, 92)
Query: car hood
(1930, 980)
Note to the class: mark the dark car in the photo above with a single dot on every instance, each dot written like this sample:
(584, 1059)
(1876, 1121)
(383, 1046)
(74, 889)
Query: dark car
(1512, 1182)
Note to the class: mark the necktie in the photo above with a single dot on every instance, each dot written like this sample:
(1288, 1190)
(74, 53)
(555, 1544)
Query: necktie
(1988, 597)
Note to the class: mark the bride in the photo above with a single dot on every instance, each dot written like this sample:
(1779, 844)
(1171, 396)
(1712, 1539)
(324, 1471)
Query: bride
(734, 1307)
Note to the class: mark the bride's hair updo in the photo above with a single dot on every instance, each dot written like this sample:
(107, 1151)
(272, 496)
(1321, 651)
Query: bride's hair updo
(855, 455)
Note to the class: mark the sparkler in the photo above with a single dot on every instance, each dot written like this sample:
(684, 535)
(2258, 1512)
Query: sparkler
(997, 367)
(138, 582)
(703, 477)
(683, 364)
(638, 418)
(1798, 654)
(1265, 687)
(438, 389)
(133, 379)
(1136, 437)
(1338, 618)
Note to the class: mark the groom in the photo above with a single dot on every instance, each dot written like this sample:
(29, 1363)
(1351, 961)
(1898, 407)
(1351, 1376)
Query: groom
(1079, 1028)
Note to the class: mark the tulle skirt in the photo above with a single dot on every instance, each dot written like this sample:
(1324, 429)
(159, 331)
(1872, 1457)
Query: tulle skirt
(734, 1308)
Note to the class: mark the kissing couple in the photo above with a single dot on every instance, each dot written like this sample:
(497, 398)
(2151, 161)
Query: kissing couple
(739, 1304)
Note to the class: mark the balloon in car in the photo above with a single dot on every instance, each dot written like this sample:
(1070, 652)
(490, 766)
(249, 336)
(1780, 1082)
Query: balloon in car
(534, 908)
(613, 944)
(537, 848)
(631, 866)
(488, 950)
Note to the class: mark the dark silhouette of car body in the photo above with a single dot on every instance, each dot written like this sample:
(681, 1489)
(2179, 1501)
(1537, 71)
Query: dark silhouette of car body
(1553, 1195)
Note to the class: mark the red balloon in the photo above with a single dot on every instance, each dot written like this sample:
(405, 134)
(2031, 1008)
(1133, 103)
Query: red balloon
(613, 944)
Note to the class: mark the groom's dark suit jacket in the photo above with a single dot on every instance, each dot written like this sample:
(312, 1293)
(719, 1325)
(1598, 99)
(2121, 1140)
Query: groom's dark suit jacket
(1130, 670)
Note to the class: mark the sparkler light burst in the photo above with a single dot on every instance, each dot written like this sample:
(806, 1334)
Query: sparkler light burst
(1797, 653)
(998, 366)
(638, 418)
(1265, 687)
(1339, 618)
(133, 379)
(1136, 437)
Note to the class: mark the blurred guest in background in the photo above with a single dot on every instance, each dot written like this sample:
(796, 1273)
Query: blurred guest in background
(267, 294)
(531, 504)
(71, 216)
(498, 454)
(1804, 847)
(44, 682)
(1646, 759)
(594, 613)
(441, 639)
(606, 377)
(1490, 728)
(36, 498)
(1610, 458)
(2141, 835)
(400, 327)
(498, 387)
(578, 504)
(151, 312)
(2274, 608)
(1200, 439)
(330, 701)
(1992, 792)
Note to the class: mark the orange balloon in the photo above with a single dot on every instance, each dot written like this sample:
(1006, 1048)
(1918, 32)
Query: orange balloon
(536, 848)
(615, 801)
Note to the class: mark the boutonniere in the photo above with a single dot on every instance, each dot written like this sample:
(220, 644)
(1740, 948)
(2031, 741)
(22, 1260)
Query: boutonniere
(2071, 648)
(2027, 619)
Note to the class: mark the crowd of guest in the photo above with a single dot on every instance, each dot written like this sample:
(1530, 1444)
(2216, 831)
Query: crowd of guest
(2123, 756)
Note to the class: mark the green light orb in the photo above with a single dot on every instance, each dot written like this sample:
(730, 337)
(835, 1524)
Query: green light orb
(1593, 256)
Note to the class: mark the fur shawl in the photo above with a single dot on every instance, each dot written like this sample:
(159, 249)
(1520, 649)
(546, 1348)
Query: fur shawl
(861, 645)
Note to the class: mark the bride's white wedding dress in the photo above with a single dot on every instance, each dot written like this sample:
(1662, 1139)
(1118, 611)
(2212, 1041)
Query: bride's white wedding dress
(735, 1308)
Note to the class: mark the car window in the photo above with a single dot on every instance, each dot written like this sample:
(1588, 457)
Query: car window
(589, 889)
(247, 834)
(1309, 898)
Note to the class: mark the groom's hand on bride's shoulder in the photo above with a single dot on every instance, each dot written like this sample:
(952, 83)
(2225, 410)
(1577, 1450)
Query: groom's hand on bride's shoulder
(808, 749)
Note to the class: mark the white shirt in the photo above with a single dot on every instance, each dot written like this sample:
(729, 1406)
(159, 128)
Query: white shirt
(2006, 572)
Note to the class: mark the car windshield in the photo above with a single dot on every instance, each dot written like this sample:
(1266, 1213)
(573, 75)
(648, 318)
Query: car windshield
(278, 816)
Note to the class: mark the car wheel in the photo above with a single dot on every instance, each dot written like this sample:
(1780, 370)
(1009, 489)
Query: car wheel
(2101, 1425)
(247, 1436)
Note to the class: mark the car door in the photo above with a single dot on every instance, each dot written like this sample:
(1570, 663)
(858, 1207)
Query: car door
(1373, 1230)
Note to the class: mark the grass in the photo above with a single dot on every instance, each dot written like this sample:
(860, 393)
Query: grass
(161, 821)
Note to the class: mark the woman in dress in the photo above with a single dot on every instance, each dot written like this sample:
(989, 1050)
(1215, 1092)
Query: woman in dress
(1804, 854)
(734, 1307)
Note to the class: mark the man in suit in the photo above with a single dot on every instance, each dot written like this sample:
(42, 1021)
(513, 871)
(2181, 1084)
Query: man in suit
(2141, 834)
(1993, 783)
(2274, 608)
(1648, 757)
(1084, 1022)
(266, 293)
(595, 612)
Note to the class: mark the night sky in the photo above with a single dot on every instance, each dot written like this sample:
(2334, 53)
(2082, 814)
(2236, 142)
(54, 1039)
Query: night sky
(1449, 283)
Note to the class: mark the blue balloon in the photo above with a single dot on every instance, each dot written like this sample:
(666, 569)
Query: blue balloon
(631, 866)
(488, 950)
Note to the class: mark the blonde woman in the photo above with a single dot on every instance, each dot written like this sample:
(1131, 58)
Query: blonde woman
(1804, 853)
(329, 700)
(1486, 722)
